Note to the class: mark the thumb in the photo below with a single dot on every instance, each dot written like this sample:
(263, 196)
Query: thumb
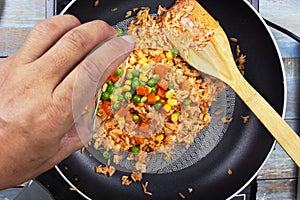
(96, 68)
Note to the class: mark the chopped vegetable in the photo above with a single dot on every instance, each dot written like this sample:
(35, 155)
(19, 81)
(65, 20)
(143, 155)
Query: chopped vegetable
(135, 73)
(136, 98)
(135, 117)
(105, 96)
(106, 107)
(157, 105)
(110, 89)
(152, 82)
(119, 32)
(159, 137)
(142, 90)
(160, 92)
(156, 77)
(135, 149)
(174, 51)
(163, 84)
(144, 127)
(171, 85)
(139, 140)
(106, 155)
(129, 76)
(121, 98)
(151, 98)
(186, 102)
(118, 72)
(128, 96)
(169, 55)
(160, 69)
(116, 106)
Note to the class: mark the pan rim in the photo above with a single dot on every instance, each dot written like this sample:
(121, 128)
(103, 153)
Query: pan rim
(283, 112)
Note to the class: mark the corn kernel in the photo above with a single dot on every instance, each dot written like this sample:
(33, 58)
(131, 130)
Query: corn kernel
(149, 89)
(143, 78)
(146, 66)
(169, 55)
(169, 94)
(128, 82)
(159, 137)
(172, 102)
(174, 117)
(118, 91)
(157, 98)
(167, 107)
(104, 87)
(141, 104)
(114, 98)
(126, 88)
(143, 99)
(143, 60)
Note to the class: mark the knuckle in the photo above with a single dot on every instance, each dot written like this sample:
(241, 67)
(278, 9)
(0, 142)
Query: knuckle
(45, 27)
(78, 40)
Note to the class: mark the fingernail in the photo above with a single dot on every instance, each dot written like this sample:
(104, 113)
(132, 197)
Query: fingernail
(128, 38)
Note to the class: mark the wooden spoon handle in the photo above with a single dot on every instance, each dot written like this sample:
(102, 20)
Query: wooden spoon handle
(285, 136)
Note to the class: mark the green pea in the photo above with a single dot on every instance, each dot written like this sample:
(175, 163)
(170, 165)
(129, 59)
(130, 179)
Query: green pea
(128, 96)
(157, 105)
(174, 51)
(152, 82)
(136, 98)
(121, 98)
(105, 96)
(135, 73)
(135, 83)
(153, 90)
(106, 155)
(135, 149)
(135, 117)
(129, 76)
(171, 85)
(156, 77)
(116, 106)
(117, 84)
(135, 79)
(110, 89)
(186, 102)
(118, 72)
(142, 83)
(119, 32)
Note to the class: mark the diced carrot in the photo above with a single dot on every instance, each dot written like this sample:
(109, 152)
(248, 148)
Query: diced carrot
(128, 118)
(144, 127)
(160, 69)
(142, 90)
(139, 140)
(151, 98)
(114, 77)
(160, 92)
(157, 58)
(185, 85)
(122, 112)
(106, 107)
(163, 84)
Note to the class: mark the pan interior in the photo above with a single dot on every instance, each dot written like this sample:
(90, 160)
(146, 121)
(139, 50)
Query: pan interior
(183, 157)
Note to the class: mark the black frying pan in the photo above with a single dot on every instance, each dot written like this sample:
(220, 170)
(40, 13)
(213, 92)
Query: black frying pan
(244, 147)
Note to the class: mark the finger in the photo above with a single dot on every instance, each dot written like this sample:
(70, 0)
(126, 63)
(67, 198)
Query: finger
(73, 140)
(72, 48)
(81, 84)
(44, 35)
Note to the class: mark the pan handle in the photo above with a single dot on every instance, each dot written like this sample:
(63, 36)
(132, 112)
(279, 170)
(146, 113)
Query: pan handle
(33, 190)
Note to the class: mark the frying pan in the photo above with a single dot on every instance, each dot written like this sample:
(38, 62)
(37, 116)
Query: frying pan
(242, 149)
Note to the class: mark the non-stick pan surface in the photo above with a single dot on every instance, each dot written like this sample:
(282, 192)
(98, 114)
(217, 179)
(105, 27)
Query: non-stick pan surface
(243, 148)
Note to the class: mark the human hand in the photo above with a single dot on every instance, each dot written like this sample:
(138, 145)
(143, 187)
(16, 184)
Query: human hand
(44, 87)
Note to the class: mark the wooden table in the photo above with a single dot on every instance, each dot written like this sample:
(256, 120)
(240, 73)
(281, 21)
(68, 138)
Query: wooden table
(278, 178)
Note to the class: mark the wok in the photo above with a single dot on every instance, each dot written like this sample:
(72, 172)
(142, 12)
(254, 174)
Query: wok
(242, 149)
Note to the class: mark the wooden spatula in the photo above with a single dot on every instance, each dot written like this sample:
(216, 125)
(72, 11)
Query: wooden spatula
(216, 59)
